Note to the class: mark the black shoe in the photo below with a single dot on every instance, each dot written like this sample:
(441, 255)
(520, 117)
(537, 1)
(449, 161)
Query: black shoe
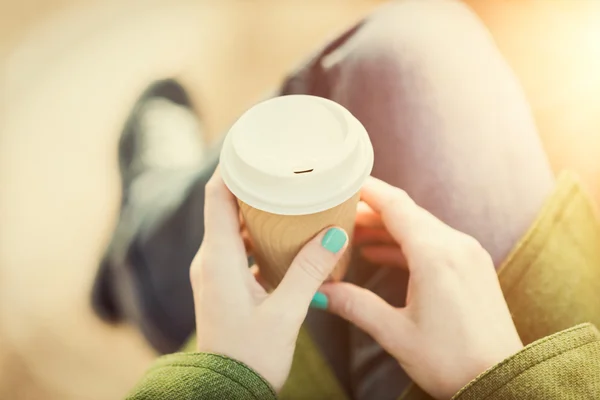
(161, 138)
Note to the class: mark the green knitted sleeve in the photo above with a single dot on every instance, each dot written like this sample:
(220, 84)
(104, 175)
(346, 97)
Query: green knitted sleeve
(558, 367)
(561, 366)
(203, 376)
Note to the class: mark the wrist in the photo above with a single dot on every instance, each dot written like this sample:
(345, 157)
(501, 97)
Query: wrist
(476, 366)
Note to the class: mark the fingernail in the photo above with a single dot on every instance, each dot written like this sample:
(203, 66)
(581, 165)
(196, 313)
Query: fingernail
(334, 240)
(319, 301)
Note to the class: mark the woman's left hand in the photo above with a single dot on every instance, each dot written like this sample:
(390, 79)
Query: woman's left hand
(235, 316)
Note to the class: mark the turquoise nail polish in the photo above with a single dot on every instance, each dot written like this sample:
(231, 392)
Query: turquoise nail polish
(334, 240)
(319, 301)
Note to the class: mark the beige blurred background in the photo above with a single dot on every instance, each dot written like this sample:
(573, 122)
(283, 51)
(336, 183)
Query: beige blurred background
(59, 188)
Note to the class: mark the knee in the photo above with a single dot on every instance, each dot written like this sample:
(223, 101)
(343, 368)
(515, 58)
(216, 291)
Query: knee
(414, 44)
(426, 80)
(415, 70)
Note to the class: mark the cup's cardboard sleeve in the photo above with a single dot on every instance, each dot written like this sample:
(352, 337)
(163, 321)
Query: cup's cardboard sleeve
(278, 238)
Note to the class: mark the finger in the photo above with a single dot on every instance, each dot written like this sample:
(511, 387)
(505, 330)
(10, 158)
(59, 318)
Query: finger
(222, 250)
(384, 255)
(257, 276)
(403, 218)
(258, 287)
(313, 264)
(364, 236)
(247, 242)
(241, 219)
(367, 311)
(221, 218)
(366, 217)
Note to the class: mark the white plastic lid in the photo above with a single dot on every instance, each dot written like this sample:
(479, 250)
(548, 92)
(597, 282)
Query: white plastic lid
(295, 155)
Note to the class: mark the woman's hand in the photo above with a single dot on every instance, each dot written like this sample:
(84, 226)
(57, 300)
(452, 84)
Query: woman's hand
(456, 323)
(234, 315)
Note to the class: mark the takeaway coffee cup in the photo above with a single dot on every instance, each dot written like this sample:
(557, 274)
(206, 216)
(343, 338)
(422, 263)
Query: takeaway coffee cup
(296, 165)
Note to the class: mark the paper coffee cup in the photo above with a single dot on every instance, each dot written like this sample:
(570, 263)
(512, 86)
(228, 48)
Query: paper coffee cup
(296, 164)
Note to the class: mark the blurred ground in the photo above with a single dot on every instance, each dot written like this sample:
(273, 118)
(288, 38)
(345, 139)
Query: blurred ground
(59, 188)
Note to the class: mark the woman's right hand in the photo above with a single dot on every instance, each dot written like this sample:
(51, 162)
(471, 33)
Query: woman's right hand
(456, 323)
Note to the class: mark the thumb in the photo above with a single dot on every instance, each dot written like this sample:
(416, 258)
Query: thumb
(313, 264)
(367, 311)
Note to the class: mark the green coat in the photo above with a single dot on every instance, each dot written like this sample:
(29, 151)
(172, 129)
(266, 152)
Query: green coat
(551, 281)
(562, 366)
